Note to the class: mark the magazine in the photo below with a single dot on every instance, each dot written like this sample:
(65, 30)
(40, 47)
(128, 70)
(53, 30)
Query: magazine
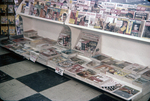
(99, 21)
(143, 7)
(121, 64)
(23, 7)
(120, 6)
(100, 57)
(64, 38)
(4, 30)
(109, 61)
(43, 10)
(142, 15)
(90, 19)
(104, 68)
(121, 25)
(31, 9)
(115, 12)
(3, 8)
(75, 68)
(49, 13)
(126, 92)
(111, 85)
(137, 28)
(146, 75)
(141, 82)
(146, 32)
(73, 17)
(87, 43)
(92, 64)
(56, 13)
(110, 23)
(86, 73)
(82, 19)
(37, 9)
(63, 15)
(128, 14)
(4, 20)
(12, 30)
(11, 20)
(65, 64)
(109, 5)
(99, 78)
(10, 8)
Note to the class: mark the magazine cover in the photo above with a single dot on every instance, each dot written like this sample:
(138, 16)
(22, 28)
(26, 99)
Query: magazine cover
(76, 68)
(146, 75)
(23, 7)
(121, 64)
(126, 92)
(87, 43)
(86, 73)
(115, 12)
(99, 21)
(92, 64)
(130, 77)
(37, 9)
(109, 5)
(146, 32)
(95, 8)
(142, 15)
(104, 68)
(109, 61)
(132, 7)
(43, 9)
(99, 78)
(3, 8)
(90, 18)
(134, 68)
(11, 20)
(100, 57)
(56, 60)
(137, 28)
(49, 13)
(121, 25)
(128, 14)
(111, 85)
(110, 23)
(120, 6)
(12, 30)
(64, 40)
(73, 17)
(56, 13)
(82, 19)
(31, 9)
(65, 64)
(10, 8)
(4, 30)
(63, 15)
(4, 20)
(27, 9)
(143, 7)
(141, 82)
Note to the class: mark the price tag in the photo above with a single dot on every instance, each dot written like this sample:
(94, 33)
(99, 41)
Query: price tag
(59, 71)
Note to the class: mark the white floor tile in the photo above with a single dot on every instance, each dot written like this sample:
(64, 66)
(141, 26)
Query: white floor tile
(21, 68)
(3, 51)
(15, 90)
(70, 91)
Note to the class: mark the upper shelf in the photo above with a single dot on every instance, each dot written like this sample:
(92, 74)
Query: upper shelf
(40, 18)
(109, 33)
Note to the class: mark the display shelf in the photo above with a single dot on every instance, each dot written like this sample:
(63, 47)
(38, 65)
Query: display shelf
(40, 18)
(109, 33)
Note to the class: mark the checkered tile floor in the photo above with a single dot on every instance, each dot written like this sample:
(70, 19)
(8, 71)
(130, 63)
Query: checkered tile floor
(23, 80)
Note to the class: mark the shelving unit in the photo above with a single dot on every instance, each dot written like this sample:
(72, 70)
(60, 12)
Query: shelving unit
(119, 46)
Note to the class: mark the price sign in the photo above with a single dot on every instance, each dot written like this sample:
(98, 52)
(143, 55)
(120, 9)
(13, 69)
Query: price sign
(59, 71)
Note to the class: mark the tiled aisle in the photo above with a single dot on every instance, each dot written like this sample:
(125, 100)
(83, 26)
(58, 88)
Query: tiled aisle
(24, 80)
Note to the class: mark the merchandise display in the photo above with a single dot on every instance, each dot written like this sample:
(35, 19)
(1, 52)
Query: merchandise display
(69, 36)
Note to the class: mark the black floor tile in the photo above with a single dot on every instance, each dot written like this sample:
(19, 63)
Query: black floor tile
(36, 97)
(10, 58)
(103, 97)
(42, 80)
(4, 77)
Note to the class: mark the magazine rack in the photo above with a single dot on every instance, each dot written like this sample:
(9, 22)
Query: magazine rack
(119, 46)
